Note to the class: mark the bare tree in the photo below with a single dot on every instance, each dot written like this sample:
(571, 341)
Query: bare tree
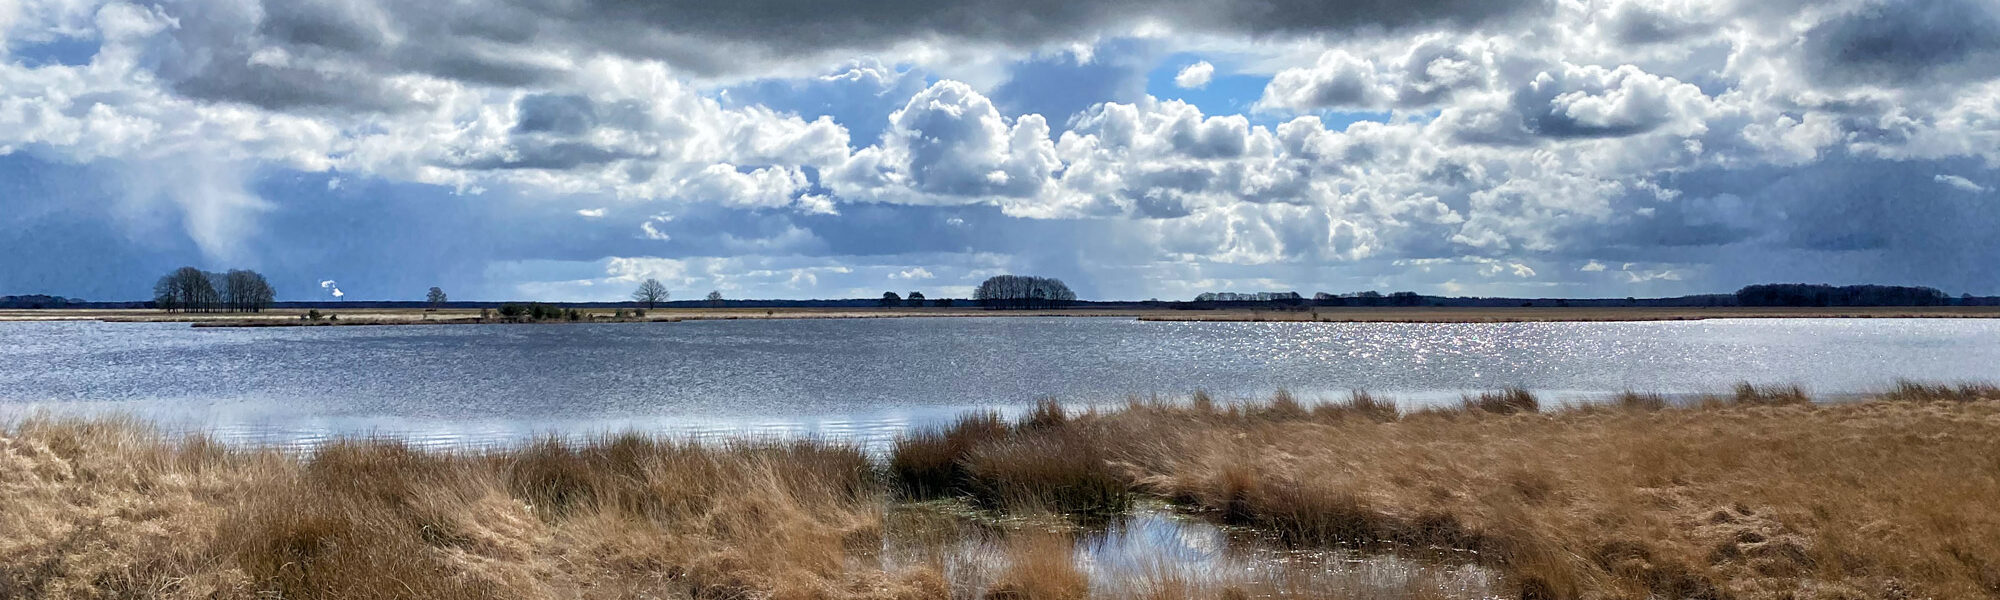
(1016, 291)
(891, 299)
(650, 293)
(246, 291)
(187, 289)
(915, 299)
(715, 298)
(436, 298)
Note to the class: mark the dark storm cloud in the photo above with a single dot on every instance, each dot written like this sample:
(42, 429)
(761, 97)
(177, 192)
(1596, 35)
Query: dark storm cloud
(1905, 42)
(540, 154)
(804, 26)
(565, 114)
(1909, 225)
(339, 51)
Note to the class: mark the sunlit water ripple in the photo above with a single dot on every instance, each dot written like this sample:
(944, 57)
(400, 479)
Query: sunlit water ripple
(867, 380)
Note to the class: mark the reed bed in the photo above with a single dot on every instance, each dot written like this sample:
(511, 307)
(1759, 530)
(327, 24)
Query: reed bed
(1759, 493)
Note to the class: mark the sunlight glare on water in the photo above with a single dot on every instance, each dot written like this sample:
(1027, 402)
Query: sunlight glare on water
(868, 379)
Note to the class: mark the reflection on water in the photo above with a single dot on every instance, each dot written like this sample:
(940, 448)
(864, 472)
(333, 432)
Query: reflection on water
(866, 379)
(1154, 552)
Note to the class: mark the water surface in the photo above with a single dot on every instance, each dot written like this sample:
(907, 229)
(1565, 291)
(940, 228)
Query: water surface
(867, 379)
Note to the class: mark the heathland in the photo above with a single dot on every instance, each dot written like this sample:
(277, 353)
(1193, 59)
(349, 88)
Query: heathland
(1759, 494)
(419, 316)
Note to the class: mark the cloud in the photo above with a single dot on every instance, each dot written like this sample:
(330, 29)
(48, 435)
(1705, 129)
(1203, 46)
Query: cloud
(1592, 101)
(1714, 142)
(950, 144)
(1194, 76)
(1962, 183)
(912, 273)
(1883, 42)
(1339, 80)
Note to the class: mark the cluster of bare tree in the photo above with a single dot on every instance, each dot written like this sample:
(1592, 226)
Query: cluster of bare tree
(1020, 291)
(189, 289)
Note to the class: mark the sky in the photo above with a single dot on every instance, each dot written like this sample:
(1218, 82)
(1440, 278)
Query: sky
(533, 149)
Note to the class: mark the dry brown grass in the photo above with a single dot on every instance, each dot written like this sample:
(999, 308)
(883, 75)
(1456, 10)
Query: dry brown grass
(1754, 495)
(108, 509)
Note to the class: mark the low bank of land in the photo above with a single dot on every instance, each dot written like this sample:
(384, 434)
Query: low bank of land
(405, 316)
(1760, 494)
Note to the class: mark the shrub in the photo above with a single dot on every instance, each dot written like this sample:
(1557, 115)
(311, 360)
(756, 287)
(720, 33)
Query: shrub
(543, 312)
(511, 310)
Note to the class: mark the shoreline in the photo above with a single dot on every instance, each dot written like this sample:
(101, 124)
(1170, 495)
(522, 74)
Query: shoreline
(377, 317)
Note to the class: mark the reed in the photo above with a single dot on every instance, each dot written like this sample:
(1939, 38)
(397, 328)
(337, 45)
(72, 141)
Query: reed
(1759, 494)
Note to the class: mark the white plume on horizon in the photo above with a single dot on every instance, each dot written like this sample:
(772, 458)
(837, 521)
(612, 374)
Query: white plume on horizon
(329, 284)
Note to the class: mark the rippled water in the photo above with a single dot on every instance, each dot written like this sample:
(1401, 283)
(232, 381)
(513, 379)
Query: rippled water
(1155, 552)
(868, 379)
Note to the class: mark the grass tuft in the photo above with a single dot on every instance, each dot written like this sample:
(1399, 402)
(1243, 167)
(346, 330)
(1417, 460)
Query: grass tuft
(1644, 402)
(1769, 395)
(931, 464)
(1504, 402)
(1912, 391)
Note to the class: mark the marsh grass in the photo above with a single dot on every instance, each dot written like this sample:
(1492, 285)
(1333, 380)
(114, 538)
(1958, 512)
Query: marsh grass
(112, 509)
(1757, 494)
(1913, 391)
(1042, 463)
(1503, 402)
(931, 463)
(1646, 402)
(1771, 395)
(1359, 405)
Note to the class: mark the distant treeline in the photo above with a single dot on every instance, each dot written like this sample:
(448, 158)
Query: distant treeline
(39, 301)
(1764, 295)
(1801, 294)
(1024, 292)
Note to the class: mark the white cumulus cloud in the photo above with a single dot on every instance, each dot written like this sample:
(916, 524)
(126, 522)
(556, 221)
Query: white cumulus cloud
(1194, 76)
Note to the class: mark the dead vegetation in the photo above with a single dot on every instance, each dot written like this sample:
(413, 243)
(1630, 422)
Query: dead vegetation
(108, 509)
(1758, 494)
(1755, 494)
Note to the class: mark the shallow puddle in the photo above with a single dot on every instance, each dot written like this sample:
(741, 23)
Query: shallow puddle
(1155, 552)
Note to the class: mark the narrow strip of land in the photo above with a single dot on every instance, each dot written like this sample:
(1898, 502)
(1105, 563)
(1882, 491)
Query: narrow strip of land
(407, 316)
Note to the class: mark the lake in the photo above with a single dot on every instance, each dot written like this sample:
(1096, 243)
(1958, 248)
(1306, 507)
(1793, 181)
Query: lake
(868, 379)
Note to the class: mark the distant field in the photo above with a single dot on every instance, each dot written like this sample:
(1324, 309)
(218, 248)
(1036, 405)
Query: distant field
(400, 316)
